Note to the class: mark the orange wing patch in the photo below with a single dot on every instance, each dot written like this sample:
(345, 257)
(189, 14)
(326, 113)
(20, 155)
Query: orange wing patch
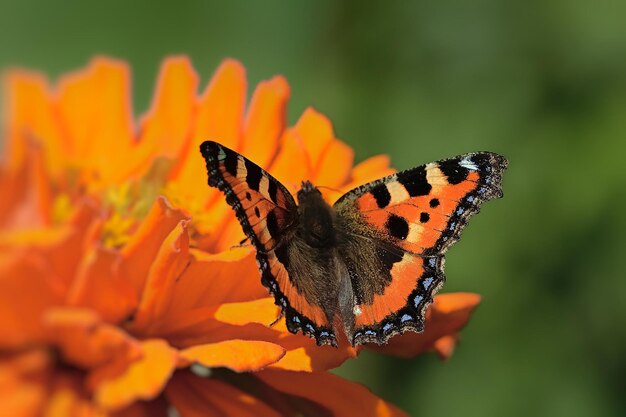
(300, 315)
(394, 297)
(402, 306)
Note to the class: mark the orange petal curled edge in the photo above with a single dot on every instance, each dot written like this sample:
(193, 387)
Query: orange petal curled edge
(212, 280)
(140, 252)
(169, 264)
(83, 339)
(237, 355)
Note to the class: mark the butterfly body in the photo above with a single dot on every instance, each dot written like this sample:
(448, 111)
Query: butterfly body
(369, 264)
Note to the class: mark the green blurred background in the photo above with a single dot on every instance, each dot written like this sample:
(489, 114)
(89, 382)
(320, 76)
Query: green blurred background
(542, 82)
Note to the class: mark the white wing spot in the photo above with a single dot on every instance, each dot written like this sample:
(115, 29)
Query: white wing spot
(467, 163)
(357, 311)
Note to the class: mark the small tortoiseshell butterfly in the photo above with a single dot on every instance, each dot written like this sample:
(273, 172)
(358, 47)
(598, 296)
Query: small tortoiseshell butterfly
(368, 265)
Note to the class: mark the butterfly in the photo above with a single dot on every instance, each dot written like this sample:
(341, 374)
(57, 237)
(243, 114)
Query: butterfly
(368, 265)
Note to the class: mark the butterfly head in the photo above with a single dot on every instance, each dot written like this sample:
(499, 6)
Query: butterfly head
(307, 190)
(316, 218)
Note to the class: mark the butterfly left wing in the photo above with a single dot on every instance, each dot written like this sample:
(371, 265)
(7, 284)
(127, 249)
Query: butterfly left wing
(263, 205)
(267, 212)
(406, 222)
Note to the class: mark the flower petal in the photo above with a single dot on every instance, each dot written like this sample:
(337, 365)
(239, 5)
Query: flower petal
(143, 379)
(101, 286)
(26, 291)
(446, 317)
(444, 346)
(221, 108)
(30, 118)
(155, 408)
(237, 355)
(292, 164)
(94, 106)
(219, 117)
(193, 396)
(367, 171)
(334, 168)
(68, 398)
(304, 355)
(262, 311)
(265, 121)
(165, 129)
(23, 383)
(170, 262)
(83, 339)
(316, 133)
(338, 396)
(28, 202)
(371, 169)
(212, 280)
(139, 253)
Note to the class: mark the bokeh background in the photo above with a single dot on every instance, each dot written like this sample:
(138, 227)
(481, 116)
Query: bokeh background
(542, 82)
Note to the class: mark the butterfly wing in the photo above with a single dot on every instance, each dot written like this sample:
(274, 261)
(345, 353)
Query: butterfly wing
(267, 213)
(263, 205)
(407, 221)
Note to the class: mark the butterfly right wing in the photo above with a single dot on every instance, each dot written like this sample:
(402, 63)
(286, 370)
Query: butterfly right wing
(401, 226)
(267, 213)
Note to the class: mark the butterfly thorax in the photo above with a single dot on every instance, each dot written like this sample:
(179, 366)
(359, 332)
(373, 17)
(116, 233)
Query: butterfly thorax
(316, 226)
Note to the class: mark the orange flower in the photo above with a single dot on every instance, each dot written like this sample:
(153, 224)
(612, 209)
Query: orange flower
(120, 290)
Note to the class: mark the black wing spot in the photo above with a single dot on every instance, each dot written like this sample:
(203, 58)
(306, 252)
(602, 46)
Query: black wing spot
(257, 212)
(282, 255)
(248, 196)
(434, 203)
(381, 194)
(397, 227)
(272, 189)
(454, 171)
(230, 164)
(415, 182)
(424, 217)
(272, 224)
(254, 175)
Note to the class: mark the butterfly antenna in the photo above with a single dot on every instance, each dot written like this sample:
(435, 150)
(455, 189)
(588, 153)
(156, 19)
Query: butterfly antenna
(330, 188)
(243, 244)
(280, 316)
